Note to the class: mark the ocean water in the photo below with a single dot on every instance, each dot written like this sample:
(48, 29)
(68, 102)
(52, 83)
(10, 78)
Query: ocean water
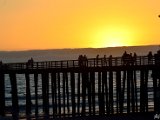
(66, 54)
(70, 54)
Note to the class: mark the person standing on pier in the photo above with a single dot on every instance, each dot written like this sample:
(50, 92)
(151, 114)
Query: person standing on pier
(123, 58)
(135, 58)
(30, 63)
(85, 60)
(150, 57)
(80, 60)
(104, 62)
(97, 59)
(110, 60)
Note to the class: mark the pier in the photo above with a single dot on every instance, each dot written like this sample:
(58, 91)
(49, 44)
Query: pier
(79, 88)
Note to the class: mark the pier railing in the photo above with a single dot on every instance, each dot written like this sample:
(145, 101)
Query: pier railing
(91, 62)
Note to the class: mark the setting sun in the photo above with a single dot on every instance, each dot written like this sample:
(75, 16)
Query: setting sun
(114, 36)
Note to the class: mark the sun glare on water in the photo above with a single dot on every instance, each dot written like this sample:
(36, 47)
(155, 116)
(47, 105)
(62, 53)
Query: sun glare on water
(113, 37)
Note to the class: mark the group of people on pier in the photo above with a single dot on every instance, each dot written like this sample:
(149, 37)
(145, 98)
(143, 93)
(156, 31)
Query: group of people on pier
(126, 59)
(129, 59)
(82, 60)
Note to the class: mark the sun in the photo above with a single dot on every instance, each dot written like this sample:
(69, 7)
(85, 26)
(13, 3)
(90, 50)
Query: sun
(113, 37)
(117, 37)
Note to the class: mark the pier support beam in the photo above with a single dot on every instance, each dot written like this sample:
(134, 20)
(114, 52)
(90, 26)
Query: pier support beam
(111, 110)
(45, 93)
(92, 79)
(53, 87)
(84, 79)
(73, 94)
(2, 95)
(15, 106)
(36, 94)
(28, 95)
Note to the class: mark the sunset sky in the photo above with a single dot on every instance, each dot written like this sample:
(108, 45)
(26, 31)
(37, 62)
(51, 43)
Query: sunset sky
(56, 24)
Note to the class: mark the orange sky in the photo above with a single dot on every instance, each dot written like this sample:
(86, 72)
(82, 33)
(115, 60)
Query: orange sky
(49, 24)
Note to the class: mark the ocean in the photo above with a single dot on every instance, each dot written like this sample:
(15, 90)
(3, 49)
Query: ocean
(71, 54)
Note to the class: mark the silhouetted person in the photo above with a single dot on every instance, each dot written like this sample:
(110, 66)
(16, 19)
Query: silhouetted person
(150, 57)
(135, 58)
(124, 54)
(30, 63)
(131, 59)
(128, 59)
(97, 59)
(80, 60)
(104, 61)
(85, 60)
(32, 60)
(110, 60)
(124, 58)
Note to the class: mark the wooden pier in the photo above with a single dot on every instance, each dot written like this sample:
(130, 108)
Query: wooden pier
(74, 88)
